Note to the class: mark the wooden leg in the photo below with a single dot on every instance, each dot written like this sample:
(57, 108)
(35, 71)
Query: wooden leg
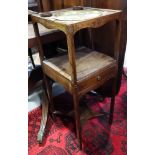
(47, 99)
(112, 102)
(77, 118)
(49, 93)
(31, 57)
(45, 105)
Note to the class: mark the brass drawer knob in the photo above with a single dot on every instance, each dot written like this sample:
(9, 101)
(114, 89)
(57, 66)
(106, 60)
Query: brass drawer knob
(99, 78)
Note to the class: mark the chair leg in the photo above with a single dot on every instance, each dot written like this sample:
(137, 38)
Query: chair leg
(112, 102)
(77, 118)
(48, 88)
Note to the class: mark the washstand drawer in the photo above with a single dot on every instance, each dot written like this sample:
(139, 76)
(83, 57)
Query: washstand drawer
(96, 80)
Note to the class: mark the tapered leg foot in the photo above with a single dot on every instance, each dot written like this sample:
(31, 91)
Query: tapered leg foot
(45, 105)
(40, 136)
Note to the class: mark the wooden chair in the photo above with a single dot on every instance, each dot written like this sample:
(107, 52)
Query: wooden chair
(83, 69)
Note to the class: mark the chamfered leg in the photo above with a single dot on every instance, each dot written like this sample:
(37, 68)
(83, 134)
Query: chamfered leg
(112, 104)
(77, 118)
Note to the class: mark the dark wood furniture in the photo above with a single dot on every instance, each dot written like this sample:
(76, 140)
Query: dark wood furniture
(83, 69)
(106, 33)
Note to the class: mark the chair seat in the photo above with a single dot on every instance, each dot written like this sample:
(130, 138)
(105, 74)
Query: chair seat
(90, 65)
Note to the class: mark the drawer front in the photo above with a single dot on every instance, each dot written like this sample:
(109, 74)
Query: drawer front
(96, 80)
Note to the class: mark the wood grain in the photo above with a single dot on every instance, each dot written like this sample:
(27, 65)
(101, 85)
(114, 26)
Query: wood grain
(87, 63)
(72, 26)
(81, 70)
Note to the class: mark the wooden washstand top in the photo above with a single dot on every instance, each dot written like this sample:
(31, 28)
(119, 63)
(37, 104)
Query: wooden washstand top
(70, 21)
